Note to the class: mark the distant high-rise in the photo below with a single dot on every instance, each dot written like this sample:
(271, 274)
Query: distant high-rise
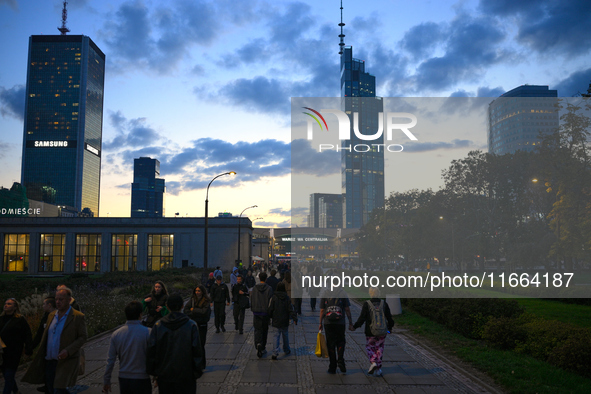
(516, 119)
(147, 189)
(61, 161)
(324, 209)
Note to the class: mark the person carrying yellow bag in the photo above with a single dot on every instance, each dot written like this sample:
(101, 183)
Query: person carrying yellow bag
(321, 348)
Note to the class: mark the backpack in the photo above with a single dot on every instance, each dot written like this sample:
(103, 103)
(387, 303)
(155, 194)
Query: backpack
(378, 325)
(334, 313)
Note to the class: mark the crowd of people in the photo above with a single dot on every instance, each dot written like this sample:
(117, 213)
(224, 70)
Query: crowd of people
(163, 341)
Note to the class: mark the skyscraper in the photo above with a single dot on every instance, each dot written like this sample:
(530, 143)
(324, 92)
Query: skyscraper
(61, 162)
(323, 210)
(516, 119)
(147, 189)
(362, 172)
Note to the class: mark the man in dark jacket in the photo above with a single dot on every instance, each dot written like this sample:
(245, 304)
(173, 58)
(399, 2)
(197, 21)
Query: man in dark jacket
(260, 297)
(174, 351)
(272, 280)
(281, 310)
(220, 296)
(241, 301)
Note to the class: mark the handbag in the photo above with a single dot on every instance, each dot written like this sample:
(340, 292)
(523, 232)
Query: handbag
(82, 366)
(321, 348)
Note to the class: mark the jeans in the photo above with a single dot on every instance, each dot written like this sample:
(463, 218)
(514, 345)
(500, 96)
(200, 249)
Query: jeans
(261, 330)
(335, 342)
(9, 380)
(202, 338)
(219, 309)
(239, 316)
(281, 332)
(135, 386)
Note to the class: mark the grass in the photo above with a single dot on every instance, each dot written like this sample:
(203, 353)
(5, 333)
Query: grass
(579, 315)
(515, 372)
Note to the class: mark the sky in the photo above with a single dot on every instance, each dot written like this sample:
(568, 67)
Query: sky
(205, 86)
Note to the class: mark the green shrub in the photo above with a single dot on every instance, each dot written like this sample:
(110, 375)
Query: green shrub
(574, 353)
(504, 332)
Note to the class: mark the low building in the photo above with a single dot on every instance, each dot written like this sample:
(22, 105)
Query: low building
(64, 245)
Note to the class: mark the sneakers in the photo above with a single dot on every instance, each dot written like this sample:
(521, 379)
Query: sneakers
(259, 350)
(288, 352)
(379, 373)
(274, 357)
(342, 367)
(372, 368)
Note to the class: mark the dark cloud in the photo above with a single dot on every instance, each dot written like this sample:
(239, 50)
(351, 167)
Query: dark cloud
(10, 3)
(12, 102)
(472, 45)
(550, 26)
(360, 24)
(461, 93)
(306, 160)
(421, 39)
(4, 149)
(416, 147)
(577, 82)
(279, 212)
(198, 70)
(489, 92)
(132, 133)
(288, 28)
(259, 94)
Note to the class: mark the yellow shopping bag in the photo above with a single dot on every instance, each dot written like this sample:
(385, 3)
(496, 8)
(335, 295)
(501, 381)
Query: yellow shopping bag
(321, 348)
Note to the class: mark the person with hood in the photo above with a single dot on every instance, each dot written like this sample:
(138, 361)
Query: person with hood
(375, 343)
(281, 310)
(220, 297)
(217, 272)
(198, 308)
(15, 333)
(155, 304)
(241, 301)
(234, 276)
(174, 354)
(209, 283)
(250, 281)
(260, 297)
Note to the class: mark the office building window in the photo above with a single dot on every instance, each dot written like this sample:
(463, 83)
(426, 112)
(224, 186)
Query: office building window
(51, 252)
(160, 247)
(88, 252)
(16, 252)
(124, 252)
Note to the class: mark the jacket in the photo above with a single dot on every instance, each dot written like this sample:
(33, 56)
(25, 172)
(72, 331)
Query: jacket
(16, 335)
(151, 306)
(260, 297)
(201, 312)
(236, 296)
(220, 293)
(272, 281)
(250, 281)
(73, 336)
(281, 310)
(174, 350)
(365, 316)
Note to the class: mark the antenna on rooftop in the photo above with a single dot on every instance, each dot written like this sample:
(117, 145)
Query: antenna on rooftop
(64, 29)
(342, 36)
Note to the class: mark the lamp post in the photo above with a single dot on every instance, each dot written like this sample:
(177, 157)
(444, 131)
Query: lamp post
(239, 219)
(205, 240)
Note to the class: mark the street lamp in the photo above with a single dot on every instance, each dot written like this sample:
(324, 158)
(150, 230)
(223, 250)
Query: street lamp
(205, 244)
(239, 219)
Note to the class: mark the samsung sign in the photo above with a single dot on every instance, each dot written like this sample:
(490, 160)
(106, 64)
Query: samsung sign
(51, 144)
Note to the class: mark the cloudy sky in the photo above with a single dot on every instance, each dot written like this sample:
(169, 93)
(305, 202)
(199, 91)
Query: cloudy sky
(205, 86)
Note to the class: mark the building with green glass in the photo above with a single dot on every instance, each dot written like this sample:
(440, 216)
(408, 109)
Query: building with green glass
(61, 161)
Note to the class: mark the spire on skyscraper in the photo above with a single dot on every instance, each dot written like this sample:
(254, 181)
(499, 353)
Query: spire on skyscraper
(64, 29)
(342, 36)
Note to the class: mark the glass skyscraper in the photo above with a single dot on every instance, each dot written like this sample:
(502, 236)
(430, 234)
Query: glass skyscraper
(63, 125)
(518, 118)
(147, 189)
(362, 172)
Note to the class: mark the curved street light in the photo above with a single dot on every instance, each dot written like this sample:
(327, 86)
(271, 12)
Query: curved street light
(205, 239)
(238, 261)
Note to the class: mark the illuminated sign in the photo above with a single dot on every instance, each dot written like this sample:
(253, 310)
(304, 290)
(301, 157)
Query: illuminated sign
(20, 211)
(92, 149)
(51, 144)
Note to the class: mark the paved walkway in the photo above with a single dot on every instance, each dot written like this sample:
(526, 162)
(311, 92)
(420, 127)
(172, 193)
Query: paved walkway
(233, 366)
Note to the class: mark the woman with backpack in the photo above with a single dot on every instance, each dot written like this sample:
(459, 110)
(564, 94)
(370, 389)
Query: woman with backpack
(376, 315)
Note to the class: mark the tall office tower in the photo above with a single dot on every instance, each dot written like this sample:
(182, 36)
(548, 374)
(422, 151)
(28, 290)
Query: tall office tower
(518, 117)
(362, 172)
(316, 206)
(63, 125)
(147, 189)
(330, 213)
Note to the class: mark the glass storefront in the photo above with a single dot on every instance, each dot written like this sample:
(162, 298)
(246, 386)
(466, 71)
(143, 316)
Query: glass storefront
(160, 251)
(16, 252)
(88, 253)
(124, 252)
(51, 252)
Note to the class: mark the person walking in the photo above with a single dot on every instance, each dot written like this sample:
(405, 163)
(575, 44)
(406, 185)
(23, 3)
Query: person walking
(174, 354)
(129, 343)
(281, 311)
(198, 308)
(234, 276)
(241, 300)
(220, 296)
(332, 314)
(376, 316)
(15, 334)
(260, 297)
(73, 302)
(314, 292)
(209, 283)
(272, 280)
(250, 280)
(155, 303)
(58, 359)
